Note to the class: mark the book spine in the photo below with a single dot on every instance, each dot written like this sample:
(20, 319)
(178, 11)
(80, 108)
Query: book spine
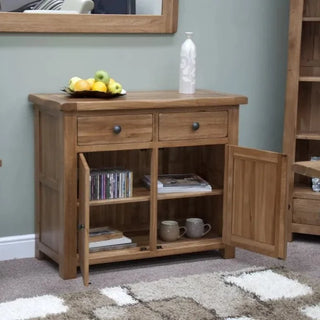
(130, 184)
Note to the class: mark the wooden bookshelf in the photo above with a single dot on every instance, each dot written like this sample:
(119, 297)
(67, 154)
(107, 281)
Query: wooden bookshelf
(301, 138)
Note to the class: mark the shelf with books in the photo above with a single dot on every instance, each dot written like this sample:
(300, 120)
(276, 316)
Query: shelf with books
(123, 216)
(115, 176)
(212, 241)
(138, 248)
(140, 194)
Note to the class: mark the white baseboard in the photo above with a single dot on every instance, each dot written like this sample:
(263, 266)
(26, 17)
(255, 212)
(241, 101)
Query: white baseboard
(17, 247)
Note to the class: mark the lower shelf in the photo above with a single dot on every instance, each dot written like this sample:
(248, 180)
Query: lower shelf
(181, 246)
(305, 192)
(305, 210)
(305, 228)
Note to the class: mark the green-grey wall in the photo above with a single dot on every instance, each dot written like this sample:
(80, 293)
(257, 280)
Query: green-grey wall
(241, 47)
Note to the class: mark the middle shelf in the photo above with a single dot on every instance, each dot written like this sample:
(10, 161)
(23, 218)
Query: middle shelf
(140, 194)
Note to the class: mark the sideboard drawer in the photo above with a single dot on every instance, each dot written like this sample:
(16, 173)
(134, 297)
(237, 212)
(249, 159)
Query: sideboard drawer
(306, 211)
(114, 129)
(193, 125)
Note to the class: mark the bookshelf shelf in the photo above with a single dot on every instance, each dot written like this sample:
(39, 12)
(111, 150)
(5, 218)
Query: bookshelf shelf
(307, 168)
(139, 195)
(143, 195)
(305, 192)
(180, 195)
(308, 135)
(309, 78)
(311, 19)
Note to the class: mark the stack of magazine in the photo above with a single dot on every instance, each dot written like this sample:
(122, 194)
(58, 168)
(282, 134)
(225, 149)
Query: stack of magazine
(169, 183)
(110, 184)
(106, 238)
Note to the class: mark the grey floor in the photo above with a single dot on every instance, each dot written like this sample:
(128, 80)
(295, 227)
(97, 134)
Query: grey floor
(31, 277)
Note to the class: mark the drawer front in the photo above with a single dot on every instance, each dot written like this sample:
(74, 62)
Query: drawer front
(114, 129)
(193, 125)
(306, 211)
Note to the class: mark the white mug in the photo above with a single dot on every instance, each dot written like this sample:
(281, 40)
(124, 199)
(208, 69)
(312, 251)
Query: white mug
(196, 228)
(170, 230)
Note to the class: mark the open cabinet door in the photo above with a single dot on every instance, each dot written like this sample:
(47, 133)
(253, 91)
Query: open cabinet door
(83, 232)
(255, 210)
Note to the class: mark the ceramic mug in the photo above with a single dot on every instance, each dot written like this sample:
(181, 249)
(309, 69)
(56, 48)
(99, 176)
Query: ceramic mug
(196, 228)
(170, 230)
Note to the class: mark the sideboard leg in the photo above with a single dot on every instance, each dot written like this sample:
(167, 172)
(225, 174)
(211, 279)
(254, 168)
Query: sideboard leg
(67, 272)
(228, 252)
(39, 254)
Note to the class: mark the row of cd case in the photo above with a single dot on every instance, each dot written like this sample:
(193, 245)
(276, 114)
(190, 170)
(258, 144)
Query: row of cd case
(110, 184)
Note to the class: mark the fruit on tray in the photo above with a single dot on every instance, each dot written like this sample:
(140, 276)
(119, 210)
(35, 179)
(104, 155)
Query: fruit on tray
(114, 87)
(82, 85)
(99, 86)
(72, 82)
(100, 82)
(102, 76)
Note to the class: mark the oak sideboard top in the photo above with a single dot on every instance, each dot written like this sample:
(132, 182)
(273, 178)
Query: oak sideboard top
(138, 100)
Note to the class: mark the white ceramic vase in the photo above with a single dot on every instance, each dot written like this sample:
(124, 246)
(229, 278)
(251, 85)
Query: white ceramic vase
(187, 79)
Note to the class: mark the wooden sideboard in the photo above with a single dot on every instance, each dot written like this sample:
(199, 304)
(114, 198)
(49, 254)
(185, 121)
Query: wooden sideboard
(160, 132)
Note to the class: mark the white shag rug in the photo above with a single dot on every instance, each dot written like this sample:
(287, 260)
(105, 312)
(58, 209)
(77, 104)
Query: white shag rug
(253, 294)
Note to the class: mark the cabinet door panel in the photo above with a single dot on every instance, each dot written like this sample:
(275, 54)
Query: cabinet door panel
(83, 232)
(255, 200)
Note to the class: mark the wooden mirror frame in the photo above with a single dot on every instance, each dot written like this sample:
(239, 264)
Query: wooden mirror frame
(92, 23)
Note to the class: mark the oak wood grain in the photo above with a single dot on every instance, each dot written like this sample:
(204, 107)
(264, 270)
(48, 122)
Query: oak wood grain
(84, 218)
(302, 115)
(307, 168)
(92, 23)
(139, 100)
(255, 213)
(76, 135)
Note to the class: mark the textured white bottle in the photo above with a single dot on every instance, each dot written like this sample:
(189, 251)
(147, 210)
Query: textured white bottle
(187, 78)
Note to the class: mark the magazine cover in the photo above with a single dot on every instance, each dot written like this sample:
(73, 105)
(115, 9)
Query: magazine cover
(181, 180)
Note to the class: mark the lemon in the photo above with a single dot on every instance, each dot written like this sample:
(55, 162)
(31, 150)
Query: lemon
(72, 82)
(82, 85)
(99, 86)
(91, 81)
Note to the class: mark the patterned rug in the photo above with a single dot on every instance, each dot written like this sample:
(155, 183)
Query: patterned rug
(254, 294)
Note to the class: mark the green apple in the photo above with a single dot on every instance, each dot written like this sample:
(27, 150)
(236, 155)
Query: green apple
(72, 82)
(115, 87)
(102, 76)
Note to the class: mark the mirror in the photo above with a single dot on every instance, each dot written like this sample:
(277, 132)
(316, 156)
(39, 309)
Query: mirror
(92, 23)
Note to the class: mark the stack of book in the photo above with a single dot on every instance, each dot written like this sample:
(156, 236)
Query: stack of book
(106, 238)
(110, 184)
(169, 183)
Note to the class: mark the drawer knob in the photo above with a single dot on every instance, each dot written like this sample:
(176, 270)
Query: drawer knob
(195, 126)
(117, 129)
